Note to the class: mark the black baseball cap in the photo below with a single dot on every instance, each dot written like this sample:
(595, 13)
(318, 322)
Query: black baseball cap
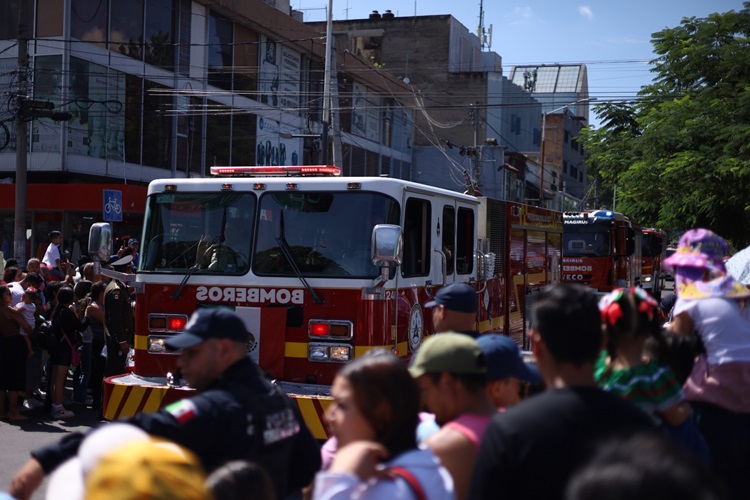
(459, 297)
(210, 323)
(505, 359)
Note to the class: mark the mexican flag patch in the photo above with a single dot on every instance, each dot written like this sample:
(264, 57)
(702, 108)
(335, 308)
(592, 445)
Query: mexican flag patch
(183, 411)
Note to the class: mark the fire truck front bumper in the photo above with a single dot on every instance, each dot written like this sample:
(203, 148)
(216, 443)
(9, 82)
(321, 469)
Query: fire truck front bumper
(312, 401)
(128, 394)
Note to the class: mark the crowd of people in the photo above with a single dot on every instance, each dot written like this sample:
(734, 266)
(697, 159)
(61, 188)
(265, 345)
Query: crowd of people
(620, 398)
(73, 300)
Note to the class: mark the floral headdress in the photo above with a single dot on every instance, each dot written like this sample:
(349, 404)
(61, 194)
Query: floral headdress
(610, 306)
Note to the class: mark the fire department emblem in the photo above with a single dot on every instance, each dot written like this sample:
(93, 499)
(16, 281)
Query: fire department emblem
(416, 327)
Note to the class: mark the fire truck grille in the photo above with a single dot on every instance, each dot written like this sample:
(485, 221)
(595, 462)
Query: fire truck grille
(296, 389)
(496, 231)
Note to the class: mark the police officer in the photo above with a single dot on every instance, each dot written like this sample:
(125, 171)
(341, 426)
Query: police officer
(237, 414)
(118, 318)
(455, 309)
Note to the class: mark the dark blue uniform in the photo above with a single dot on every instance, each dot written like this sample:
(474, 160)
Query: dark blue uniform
(241, 416)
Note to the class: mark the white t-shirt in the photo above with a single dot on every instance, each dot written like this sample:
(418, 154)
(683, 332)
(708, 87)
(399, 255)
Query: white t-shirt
(51, 256)
(723, 326)
(28, 314)
(16, 292)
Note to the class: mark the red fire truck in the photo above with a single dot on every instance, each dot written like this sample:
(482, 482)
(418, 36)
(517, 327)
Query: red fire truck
(654, 251)
(321, 268)
(601, 249)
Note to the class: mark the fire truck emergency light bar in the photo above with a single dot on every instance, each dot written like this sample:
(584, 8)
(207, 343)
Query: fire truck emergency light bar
(280, 171)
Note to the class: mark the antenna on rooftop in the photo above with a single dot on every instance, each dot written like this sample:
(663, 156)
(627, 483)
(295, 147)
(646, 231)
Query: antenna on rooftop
(484, 40)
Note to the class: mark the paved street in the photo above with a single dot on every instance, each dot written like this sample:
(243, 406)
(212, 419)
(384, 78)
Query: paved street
(17, 440)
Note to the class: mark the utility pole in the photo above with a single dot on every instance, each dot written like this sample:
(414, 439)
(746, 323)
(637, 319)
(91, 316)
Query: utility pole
(474, 115)
(327, 85)
(19, 229)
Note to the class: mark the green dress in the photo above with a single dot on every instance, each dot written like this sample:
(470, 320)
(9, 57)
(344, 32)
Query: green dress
(652, 387)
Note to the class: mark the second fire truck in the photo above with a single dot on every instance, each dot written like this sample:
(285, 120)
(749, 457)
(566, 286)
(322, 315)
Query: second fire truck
(321, 268)
(601, 249)
(654, 251)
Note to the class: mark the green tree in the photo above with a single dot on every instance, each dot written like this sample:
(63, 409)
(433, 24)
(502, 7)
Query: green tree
(680, 153)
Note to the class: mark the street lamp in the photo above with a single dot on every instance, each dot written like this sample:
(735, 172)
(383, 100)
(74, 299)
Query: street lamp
(544, 128)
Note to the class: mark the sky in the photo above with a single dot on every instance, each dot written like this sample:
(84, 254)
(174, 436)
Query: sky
(612, 37)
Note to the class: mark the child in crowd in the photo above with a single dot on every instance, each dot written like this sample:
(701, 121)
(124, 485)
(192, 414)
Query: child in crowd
(630, 318)
(27, 307)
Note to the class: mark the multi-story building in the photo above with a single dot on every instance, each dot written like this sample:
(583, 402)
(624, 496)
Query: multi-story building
(160, 88)
(463, 102)
(564, 94)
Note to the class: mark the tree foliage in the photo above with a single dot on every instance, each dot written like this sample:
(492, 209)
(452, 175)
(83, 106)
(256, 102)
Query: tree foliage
(679, 155)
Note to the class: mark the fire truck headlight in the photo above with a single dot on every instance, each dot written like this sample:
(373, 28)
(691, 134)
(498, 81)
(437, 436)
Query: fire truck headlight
(647, 279)
(317, 352)
(156, 344)
(341, 353)
(332, 353)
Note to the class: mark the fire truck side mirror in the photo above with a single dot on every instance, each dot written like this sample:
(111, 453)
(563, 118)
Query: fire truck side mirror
(100, 241)
(387, 245)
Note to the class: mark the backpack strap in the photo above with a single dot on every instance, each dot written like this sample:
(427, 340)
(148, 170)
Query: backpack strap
(411, 480)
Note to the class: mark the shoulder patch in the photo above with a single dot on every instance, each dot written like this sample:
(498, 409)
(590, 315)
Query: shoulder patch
(183, 411)
(116, 294)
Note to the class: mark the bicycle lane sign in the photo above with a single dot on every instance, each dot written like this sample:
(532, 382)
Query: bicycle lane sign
(112, 205)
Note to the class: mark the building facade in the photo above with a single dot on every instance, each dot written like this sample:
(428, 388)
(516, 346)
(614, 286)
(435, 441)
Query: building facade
(462, 100)
(168, 88)
(563, 93)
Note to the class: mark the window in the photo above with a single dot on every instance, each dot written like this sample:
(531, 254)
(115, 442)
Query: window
(88, 21)
(133, 109)
(243, 141)
(220, 51)
(47, 87)
(306, 226)
(417, 243)
(189, 134)
(574, 144)
(159, 36)
(373, 164)
(465, 241)
(157, 137)
(9, 19)
(566, 137)
(245, 59)
(218, 135)
(99, 109)
(565, 166)
(515, 124)
(49, 18)
(126, 28)
(580, 176)
(449, 235)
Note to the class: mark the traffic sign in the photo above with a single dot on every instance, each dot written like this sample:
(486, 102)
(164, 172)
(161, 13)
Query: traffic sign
(112, 205)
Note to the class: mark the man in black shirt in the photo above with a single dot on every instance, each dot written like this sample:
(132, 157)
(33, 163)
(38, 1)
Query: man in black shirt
(531, 450)
(236, 415)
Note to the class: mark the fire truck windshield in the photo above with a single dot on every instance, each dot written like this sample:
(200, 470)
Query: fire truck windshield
(198, 233)
(652, 244)
(325, 233)
(585, 243)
